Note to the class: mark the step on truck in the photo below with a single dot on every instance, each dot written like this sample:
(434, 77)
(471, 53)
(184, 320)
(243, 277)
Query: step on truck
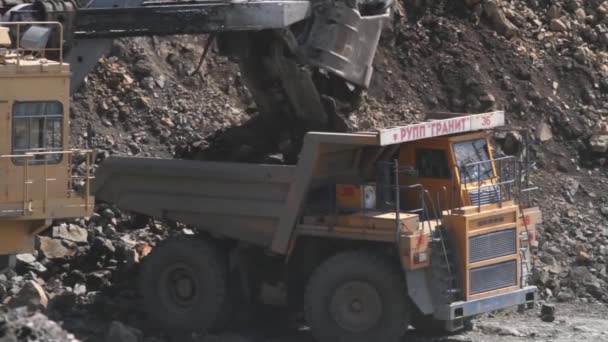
(369, 233)
(37, 181)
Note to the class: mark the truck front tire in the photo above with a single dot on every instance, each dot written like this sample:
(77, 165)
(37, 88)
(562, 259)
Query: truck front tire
(183, 285)
(357, 297)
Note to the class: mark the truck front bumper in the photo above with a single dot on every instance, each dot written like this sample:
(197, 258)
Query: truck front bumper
(460, 310)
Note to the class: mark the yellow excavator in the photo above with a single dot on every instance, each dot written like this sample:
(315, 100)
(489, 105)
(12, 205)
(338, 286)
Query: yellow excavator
(37, 178)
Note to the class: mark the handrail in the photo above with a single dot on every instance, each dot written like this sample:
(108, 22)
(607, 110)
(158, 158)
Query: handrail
(501, 179)
(19, 50)
(45, 179)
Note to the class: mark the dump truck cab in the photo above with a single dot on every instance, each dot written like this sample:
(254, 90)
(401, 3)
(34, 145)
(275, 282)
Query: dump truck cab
(461, 218)
(37, 181)
(454, 166)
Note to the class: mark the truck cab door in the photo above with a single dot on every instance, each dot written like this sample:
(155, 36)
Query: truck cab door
(432, 164)
(34, 127)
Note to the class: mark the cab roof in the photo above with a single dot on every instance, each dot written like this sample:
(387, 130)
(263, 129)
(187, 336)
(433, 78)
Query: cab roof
(439, 124)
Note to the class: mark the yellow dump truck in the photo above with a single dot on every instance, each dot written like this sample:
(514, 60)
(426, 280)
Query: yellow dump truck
(370, 232)
(37, 183)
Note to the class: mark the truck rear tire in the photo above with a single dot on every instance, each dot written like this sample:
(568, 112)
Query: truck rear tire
(183, 285)
(357, 297)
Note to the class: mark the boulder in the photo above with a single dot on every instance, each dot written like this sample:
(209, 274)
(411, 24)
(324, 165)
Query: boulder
(53, 248)
(119, 332)
(70, 232)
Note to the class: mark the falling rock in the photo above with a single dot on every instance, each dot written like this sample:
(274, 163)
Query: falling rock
(599, 143)
(53, 248)
(70, 232)
(119, 332)
(557, 25)
(32, 296)
(543, 132)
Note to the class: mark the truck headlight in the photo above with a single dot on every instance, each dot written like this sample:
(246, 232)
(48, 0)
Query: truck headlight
(369, 197)
(420, 257)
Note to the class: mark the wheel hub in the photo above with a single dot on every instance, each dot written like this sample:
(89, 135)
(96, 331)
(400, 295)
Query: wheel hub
(180, 287)
(356, 306)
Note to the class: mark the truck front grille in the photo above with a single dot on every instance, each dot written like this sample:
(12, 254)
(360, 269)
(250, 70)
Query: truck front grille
(493, 277)
(492, 245)
(486, 195)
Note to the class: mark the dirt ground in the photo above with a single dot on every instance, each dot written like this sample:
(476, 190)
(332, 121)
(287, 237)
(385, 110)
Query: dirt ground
(573, 322)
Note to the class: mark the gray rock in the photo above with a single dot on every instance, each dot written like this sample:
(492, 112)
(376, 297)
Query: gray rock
(557, 25)
(26, 258)
(80, 289)
(572, 186)
(502, 25)
(32, 295)
(554, 12)
(599, 143)
(70, 232)
(104, 245)
(491, 329)
(580, 15)
(543, 132)
(119, 332)
(108, 213)
(53, 248)
(547, 313)
(565, 296)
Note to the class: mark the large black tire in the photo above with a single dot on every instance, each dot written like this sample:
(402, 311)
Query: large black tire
(183, 285)
(357, 297)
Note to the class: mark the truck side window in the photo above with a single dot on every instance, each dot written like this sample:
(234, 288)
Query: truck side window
(38, 127)
(432, 163)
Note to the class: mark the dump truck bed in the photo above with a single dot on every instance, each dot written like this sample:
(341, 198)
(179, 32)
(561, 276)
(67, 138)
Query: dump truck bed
(258, 203)
(242, 201)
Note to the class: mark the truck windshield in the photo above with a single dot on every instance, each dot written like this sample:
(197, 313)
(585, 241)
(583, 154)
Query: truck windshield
(473, 160)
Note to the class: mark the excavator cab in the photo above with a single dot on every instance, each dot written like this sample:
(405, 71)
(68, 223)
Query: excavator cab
(37, 181)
